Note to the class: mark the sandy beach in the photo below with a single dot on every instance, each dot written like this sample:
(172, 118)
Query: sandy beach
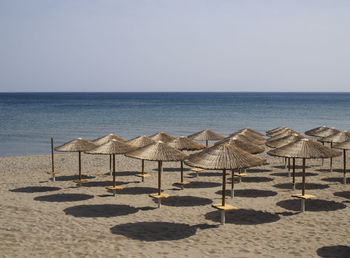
(42, 218)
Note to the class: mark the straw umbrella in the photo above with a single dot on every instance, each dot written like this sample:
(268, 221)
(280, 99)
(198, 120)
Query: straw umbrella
(272, 131)
(252, 133)
(53, 172)
(107, 138)
(182, 143)
(161, 136)
(335, 138)
(160, 152)
(77, 145)
(223, 157)
(326, 132)
(316, 130)
(344, 146)
(206, 135)
(112, 147)
(247, 138)
(281, 135)
(304, 149)
(139, 142)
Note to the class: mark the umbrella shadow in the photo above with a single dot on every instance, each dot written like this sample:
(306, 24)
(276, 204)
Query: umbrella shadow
(35, 189)
(250, 193)
(311, 205)
(256, 179)
(344, 194)
(124, 173)
(328, 170)
(72, 197)
(199, 184)
(172, 169)
(71, 178)
(185, 201)
(138, 190)
(336, 180)
(291, 165)
(208, 174)
(334, 251)
(102, 183)
(100, 210)
(256, 170)
(244, 217)
(308, 186)
(157, 231)
(297, 174)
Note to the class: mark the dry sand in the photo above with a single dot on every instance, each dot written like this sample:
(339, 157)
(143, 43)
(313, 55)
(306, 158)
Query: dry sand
(41, 218)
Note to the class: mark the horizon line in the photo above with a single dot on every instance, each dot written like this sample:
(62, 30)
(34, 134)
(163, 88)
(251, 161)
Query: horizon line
(6, 92)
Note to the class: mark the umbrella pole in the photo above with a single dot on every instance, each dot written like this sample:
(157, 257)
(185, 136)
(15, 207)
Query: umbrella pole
(110, 164)
(322, 158)
(143, 170)
(80, 177)
(331, 161)
(285, 162)
(159, 182)
(52, 161)
(182, 174)
(206, 143)
(288, 167)
(114, 181)
(344, 166)
(303, 188)
(223, 196)
(293, 173)
(233, 183)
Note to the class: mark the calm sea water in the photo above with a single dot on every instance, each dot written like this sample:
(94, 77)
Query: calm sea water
(28, 120)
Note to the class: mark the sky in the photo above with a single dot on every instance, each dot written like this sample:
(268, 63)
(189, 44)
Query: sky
(167, 45)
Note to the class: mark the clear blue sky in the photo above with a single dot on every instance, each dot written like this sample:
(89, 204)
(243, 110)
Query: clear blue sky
(174, 45)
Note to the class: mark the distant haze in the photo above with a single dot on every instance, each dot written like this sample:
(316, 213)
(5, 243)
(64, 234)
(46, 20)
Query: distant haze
(178, 45)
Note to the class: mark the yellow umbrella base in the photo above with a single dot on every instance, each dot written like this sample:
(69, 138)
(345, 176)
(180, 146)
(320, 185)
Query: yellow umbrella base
(197, 170)
(241, 175)
(78, 181)
(114, 188)
(224, 208)
(144, 175)
(53, 172)
(182, 183)
(305, 196)
(159, 196)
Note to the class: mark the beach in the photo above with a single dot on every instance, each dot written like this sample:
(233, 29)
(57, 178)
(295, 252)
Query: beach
(39, 217)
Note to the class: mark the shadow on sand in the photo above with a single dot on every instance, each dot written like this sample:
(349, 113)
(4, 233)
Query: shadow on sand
(256, 179)
(102, 183)
(244, 217)
(138, 190)
(250, 193)
(311, 205)
(336, 180)
(171, 169)
(100, 210)
(199, 184)
(208, 174)
(35, 189)
(334, 251)
(297, 174)
(344, 194)
(185, 201)
(71, 178)
(308, 186)
(157, 231)
(63, 197)
(123, 173)
(256, 170)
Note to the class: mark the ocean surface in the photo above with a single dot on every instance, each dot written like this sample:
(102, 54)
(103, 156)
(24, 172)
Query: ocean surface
(28, 120)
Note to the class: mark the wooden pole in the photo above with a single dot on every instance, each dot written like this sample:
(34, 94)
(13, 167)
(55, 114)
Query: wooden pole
(52, 156)
(182, 171)
(110, 162)
(303, 187)
(143, 170)
(331, 161)
(288, 164)
(206, 143)
(293, 173)
(159, 177)
(114, 182)
(80, 177)
(322, 158)
(344, 166)
(223, 187)
(232, 183)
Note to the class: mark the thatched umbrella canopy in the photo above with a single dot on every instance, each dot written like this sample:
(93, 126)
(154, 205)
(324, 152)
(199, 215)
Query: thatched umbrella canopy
(281, 135)
(252, 133)
(206, 135)
(316, 130)
(183, 143)
(244, 145)
(160, 152)
(107, 138)
(343, 146)
(272, 131)
(282, 131)
(279, 142)
(337, 137)
(139, 142)
(223, 157)
(304, 149)
(246, 137)
(112, 147)
(326, 132)
(77, 145)
(161, 136)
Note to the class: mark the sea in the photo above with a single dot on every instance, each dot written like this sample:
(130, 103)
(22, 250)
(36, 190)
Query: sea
(28, 120)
